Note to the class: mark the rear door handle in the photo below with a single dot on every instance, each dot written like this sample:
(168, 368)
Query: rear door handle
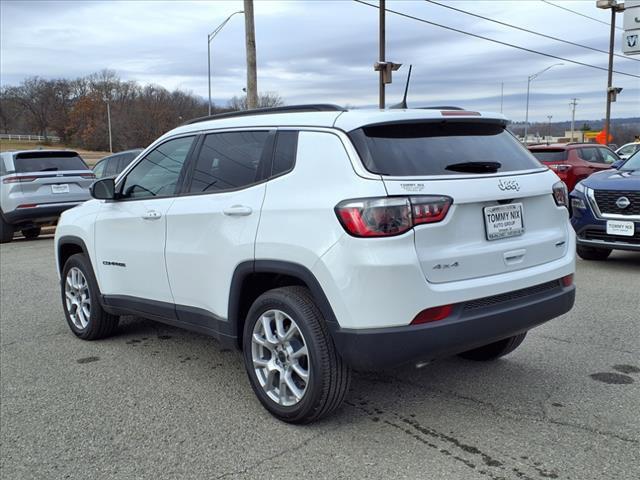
(238, 211)
(151, 215)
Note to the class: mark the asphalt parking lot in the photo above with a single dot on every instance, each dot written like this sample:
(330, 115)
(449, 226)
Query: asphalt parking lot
(157, 402)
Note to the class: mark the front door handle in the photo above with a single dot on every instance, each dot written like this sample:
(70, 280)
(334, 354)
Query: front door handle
(151, 215)
(238, 211)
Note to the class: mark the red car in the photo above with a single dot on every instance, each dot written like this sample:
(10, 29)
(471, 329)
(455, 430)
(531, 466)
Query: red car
(574, 161)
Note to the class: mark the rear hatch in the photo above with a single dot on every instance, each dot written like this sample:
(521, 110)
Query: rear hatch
(52, 177)
(503, 216)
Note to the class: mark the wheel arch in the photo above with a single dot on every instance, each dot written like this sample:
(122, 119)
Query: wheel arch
(67, 246)
(252, 278)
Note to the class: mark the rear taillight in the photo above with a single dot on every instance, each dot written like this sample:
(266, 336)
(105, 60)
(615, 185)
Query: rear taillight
(560, 167)
(560, 194)
(24, 178)
(567, 280)
(388, 216)
(433, 314)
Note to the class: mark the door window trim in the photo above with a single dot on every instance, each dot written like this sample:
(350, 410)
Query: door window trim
(181, 176)
(262, 172)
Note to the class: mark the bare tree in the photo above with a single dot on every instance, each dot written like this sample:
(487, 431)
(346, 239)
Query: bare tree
(265, 99)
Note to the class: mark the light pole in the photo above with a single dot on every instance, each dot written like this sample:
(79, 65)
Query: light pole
(529, 79)
(611, 92)
(210, 37)
(106, 100)
(549, 117)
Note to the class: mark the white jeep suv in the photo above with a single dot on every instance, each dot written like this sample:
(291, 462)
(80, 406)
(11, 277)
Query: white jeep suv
(318, 239)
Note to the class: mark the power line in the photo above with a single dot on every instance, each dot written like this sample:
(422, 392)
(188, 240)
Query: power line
(497, 41)
(529, 31)
(581, 14)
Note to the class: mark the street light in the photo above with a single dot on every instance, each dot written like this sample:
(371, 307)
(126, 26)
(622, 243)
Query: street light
(549, 117)
(105, 98)
(529, 78)
(210, 37)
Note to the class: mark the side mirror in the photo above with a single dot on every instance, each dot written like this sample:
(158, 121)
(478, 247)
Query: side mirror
(103, 189)
(617, 164)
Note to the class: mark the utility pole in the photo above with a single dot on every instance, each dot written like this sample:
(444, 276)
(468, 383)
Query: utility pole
(250, 40)
(573, 103)
(549, 129)
(615, 7)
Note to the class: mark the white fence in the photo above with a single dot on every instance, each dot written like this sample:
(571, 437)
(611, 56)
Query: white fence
(28, 138)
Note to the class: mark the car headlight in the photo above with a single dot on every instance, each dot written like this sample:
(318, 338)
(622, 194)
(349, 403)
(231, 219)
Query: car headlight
(578, 203)
(580, 187)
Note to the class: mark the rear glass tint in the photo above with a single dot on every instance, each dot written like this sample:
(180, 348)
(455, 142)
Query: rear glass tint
(549, 155)
(418, 149)
(44, 162)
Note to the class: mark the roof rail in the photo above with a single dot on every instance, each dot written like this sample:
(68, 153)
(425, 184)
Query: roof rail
(315, 107)
(441, 107)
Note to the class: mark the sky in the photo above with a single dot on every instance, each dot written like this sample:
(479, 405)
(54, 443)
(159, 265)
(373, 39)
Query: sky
(319, 51)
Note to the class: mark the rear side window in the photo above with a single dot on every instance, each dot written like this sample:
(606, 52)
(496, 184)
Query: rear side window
(37, 162)
(418, 149)
(549, 155)
(284, 156)
(228, 161)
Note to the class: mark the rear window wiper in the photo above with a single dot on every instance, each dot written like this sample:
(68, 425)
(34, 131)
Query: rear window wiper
(474, 167)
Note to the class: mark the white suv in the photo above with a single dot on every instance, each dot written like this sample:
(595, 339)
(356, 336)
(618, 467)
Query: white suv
(318, 240)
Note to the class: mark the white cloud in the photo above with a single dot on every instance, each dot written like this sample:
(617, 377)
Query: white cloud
(319, 51)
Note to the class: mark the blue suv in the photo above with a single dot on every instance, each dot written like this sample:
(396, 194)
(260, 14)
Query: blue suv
(606, 211)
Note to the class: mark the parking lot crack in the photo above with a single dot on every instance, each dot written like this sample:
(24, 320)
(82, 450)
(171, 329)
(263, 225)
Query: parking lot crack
(269, 458)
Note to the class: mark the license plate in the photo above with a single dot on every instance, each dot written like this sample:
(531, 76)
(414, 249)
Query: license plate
(62, 188)
(626, 229)
(503, 221)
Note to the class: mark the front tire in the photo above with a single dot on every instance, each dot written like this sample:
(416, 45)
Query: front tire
(6, 230)
(81, 300)
(494, 350)
(588, 253)
(292, 364)
(31, 233)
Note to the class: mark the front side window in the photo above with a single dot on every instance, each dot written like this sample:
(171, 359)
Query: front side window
(98, 170)
(228, 161)
(608, 156)
(111, 168)
(157, 174)
(590, 154)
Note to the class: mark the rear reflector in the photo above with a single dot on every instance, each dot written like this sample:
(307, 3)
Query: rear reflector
(567, 280)
(27, 205)
(433, 314)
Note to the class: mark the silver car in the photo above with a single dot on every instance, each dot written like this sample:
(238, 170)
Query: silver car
(36, 186)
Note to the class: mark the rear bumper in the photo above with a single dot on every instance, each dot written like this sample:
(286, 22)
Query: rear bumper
(472, 324)
(40, 214)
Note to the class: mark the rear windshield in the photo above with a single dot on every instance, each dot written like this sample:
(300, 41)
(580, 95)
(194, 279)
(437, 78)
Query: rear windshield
(418, 149)
(48, 162)
(549, 155)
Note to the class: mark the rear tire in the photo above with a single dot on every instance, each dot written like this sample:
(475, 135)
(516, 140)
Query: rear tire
(6, 230)
(588, 253)
(81, 301)
(290, 358)
(494, 350)
(31, 233)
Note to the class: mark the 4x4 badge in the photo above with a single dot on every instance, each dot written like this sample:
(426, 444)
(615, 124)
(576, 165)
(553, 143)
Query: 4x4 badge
(508, 185)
